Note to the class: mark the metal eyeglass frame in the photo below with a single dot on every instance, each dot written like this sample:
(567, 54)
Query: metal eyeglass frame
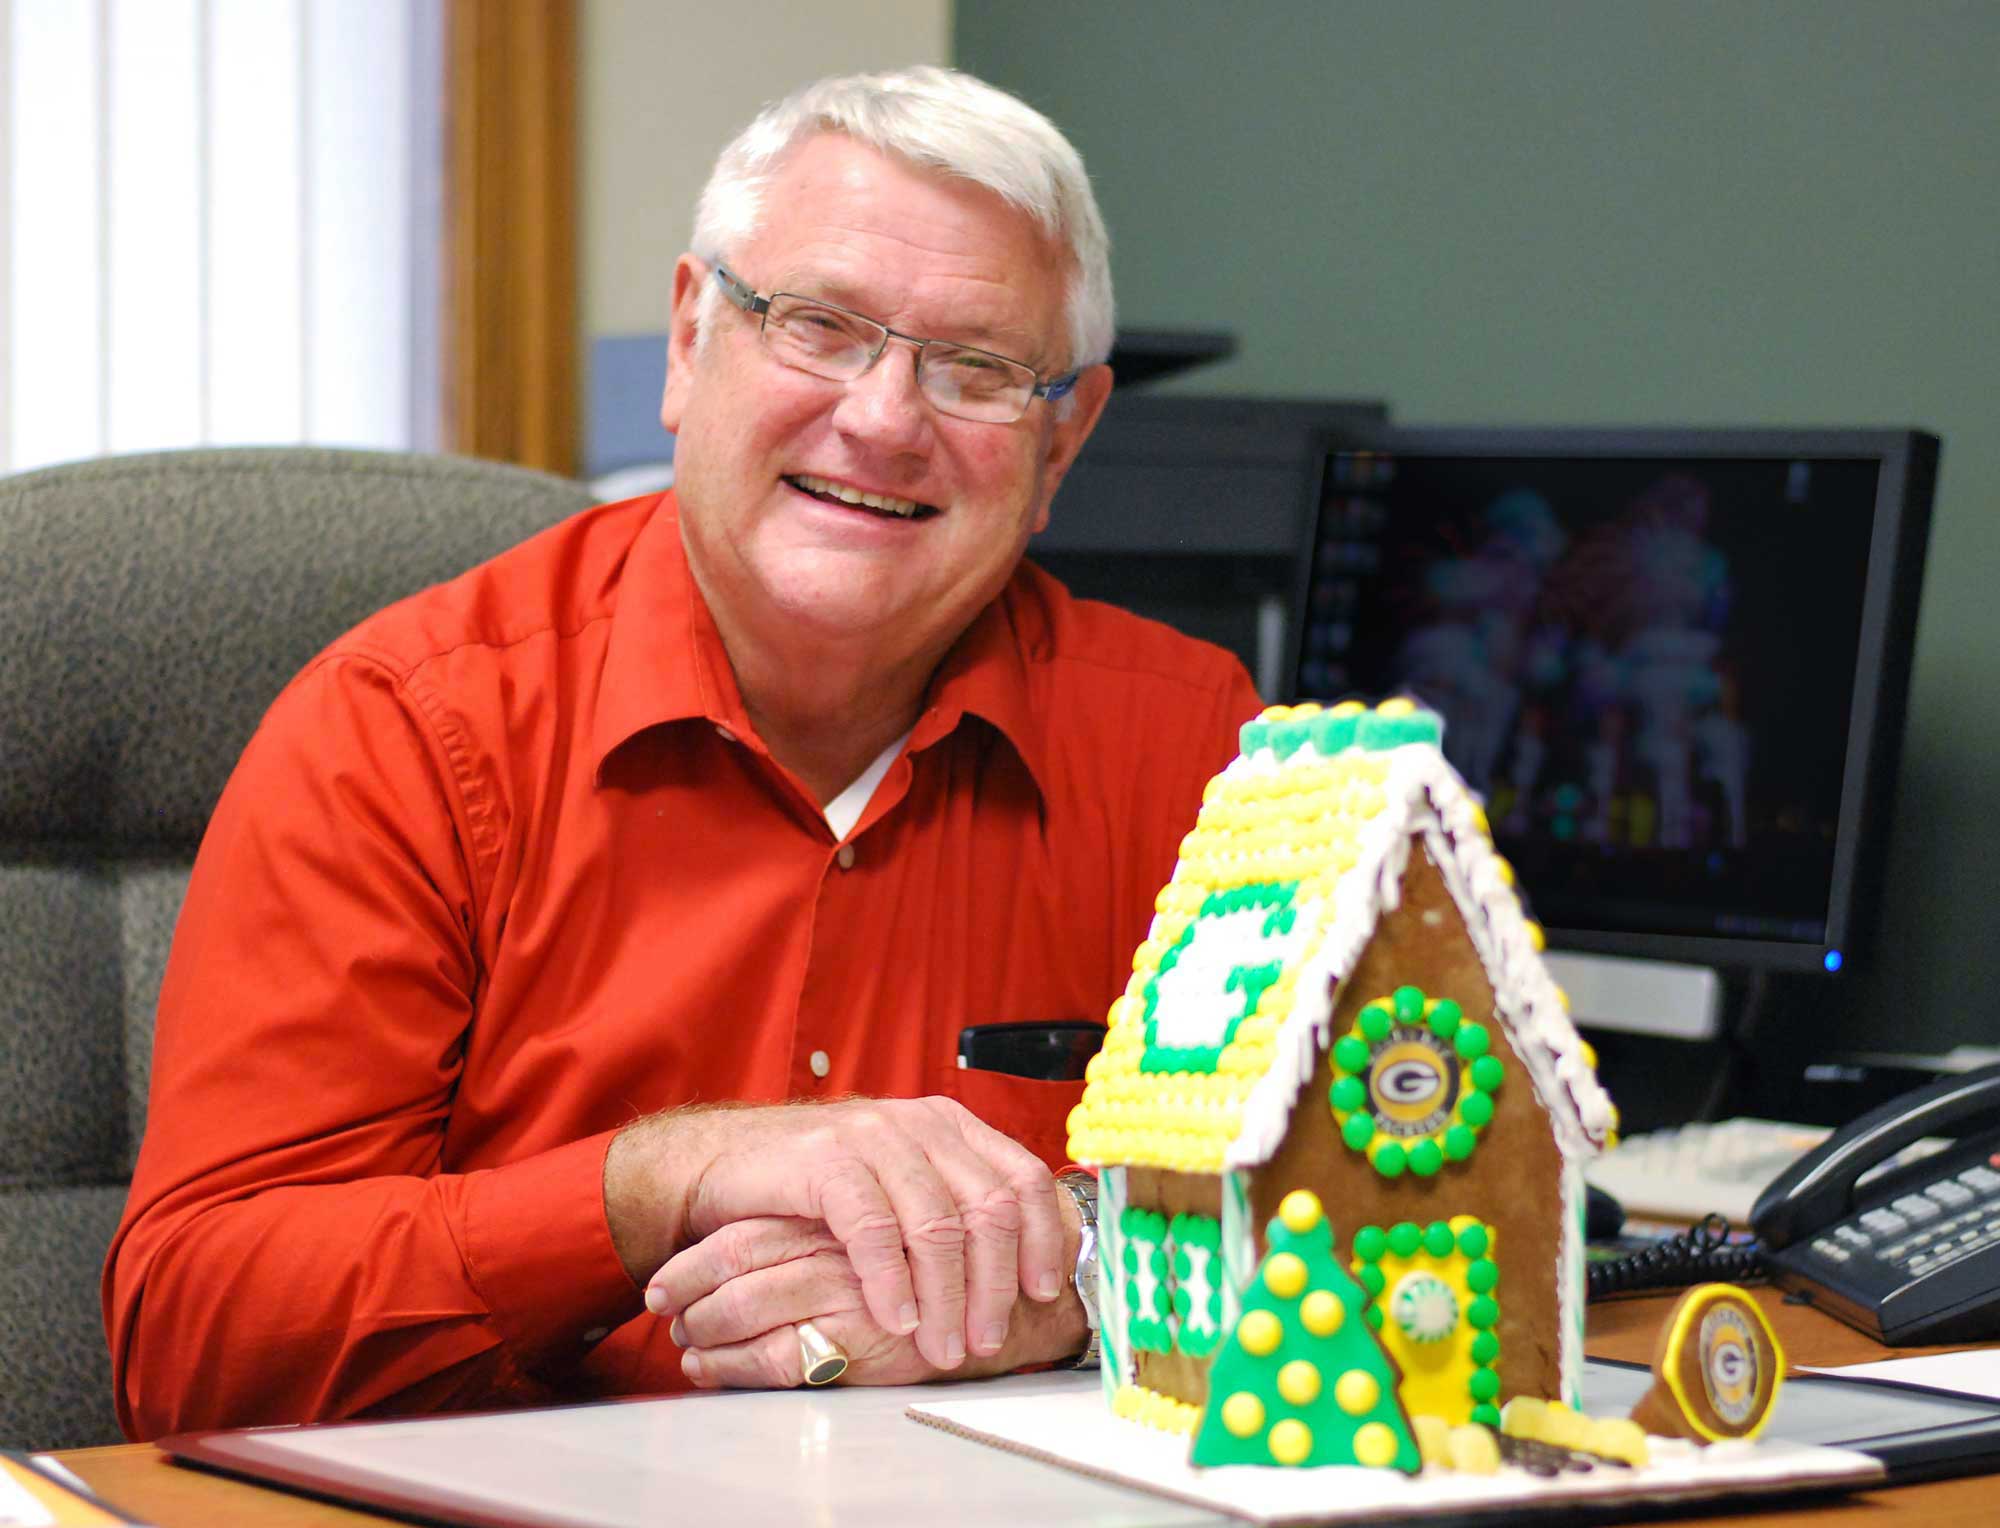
(758, 306)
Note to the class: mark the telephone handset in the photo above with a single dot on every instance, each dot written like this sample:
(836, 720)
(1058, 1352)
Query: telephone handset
(1913, 1254)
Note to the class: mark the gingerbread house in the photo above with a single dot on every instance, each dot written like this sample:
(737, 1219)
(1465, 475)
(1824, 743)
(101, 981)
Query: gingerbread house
(1340, 1006)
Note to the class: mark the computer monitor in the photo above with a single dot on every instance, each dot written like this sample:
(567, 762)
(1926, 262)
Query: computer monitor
(1673, 661)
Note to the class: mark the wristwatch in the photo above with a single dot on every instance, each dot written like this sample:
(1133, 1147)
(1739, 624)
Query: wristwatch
(1082, 1187)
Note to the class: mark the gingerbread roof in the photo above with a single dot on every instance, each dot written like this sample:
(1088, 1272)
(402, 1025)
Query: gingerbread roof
(1298, 851)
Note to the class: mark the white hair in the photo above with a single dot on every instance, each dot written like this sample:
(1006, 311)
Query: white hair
(935, 119)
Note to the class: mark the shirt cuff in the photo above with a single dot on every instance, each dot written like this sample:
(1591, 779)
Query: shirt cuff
(540, 1253)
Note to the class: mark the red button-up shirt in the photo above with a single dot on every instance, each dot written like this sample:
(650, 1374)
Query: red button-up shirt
(506, 868)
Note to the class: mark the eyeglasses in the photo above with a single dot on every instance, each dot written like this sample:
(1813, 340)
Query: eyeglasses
(830, 341)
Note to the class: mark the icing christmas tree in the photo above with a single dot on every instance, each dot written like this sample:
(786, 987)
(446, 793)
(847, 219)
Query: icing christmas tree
(1303, 1380)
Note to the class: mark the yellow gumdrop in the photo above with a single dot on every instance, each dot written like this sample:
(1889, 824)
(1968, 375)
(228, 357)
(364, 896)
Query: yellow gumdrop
(1396, 705)
(1537, 938)
(1504, 870)
(1285, 1275)
(1243, 1414)
(1348, 708)
(1589, 1054)
(1473, 1450)
(1300, 1210)
(1479, 820)
(1298, 1382)
(1433, 1436)
(1620, 1438)
(1522, 1416)
(1321, 1313)
(1562, 998)
(1357, 1391)
(1291, 1441)
(1259, 1332)
(1374, 1445)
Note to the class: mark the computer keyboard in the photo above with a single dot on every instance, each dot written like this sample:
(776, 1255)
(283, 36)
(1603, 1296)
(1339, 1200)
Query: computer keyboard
(1683, 1174)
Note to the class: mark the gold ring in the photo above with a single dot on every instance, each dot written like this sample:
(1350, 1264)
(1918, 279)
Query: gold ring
(821, 1359)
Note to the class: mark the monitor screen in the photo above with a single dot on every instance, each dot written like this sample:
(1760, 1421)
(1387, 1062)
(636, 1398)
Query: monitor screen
(1673, 663)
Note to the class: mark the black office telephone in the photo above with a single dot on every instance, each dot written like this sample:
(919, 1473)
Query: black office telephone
(1913, 1255)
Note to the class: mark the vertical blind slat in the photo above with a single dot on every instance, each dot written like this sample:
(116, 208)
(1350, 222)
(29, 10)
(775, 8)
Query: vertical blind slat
(153, 238)
(54, 402)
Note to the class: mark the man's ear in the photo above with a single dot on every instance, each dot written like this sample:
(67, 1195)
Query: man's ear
(689, 273)
(1069, 431)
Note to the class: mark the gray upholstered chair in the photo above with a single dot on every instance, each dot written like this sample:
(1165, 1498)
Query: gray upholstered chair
(151, 607)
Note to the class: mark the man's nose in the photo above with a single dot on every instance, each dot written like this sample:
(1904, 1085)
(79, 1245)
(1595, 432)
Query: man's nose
(885, 404)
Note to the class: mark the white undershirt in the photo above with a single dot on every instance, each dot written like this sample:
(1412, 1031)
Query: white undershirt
(845, 810)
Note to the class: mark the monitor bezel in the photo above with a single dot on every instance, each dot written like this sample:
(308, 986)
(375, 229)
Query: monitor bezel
(1898, 545)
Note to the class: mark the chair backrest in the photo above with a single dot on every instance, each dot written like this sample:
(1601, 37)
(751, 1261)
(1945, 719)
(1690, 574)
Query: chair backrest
(151, 608)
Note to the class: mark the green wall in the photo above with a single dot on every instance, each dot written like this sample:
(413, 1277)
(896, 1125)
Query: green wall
(1601, 211)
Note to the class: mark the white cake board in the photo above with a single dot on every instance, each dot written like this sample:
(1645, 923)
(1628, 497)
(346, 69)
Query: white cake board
(1078, 1431)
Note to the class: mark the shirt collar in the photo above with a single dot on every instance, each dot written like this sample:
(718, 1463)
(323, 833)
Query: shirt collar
(665, 661)
(987, 674)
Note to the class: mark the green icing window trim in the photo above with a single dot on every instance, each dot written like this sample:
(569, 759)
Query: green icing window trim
(1248, 980)
(1413, 1083)
(1196, 1244)
(1147, 1287)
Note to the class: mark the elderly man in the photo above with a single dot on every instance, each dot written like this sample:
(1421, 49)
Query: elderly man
(569, 994)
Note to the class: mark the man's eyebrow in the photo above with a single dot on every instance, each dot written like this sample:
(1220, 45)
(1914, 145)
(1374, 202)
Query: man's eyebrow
(1005, 340)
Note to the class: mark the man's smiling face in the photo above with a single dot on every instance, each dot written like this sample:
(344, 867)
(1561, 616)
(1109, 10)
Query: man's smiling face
(856, 510)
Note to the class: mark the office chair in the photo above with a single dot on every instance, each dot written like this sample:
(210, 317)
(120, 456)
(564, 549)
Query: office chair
(151, 608)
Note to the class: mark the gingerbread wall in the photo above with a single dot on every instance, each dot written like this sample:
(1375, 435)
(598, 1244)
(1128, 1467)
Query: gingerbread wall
(1512, 1181)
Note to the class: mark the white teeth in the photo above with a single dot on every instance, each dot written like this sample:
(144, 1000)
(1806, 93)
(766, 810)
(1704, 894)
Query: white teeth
(846, 495)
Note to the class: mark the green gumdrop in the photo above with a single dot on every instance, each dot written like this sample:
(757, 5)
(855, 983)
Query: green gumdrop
(1252, 736)
(1471, 1040)
(1444, 1019)
(1481, 1276)
(1287, 738)
(1458, 1143)
(1390, 1159)
(1472, 1241)
(1488, 1072)
(1376, 1022)
(1485, 1347)
(1483, 1385)
(1373, 1315)
(1183, 1303)
(1331, 734)
(1483, 1312)
(1409, 1003)
(1131, 1258)
(1370, 1243)
(1372, 1279)
(1438, 1240)
(1476, 1109)
(1349, 1094)
(1404, 1238)
(1426, 1157)
(1486, 1413)
(1350, 1054)
(1359, 1130)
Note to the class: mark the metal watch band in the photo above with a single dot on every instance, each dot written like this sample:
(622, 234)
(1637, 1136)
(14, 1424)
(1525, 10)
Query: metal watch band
(1082, 1188)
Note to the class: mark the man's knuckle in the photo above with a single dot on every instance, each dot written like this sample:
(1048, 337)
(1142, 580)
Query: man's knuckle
(938, 1233)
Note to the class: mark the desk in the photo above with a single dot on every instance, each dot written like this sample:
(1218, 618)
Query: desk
(138, 1478)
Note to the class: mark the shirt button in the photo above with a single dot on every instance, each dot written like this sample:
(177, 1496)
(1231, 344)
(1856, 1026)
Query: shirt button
(724, 733)
(596, 1334)
(820, 1062)
(846, 856)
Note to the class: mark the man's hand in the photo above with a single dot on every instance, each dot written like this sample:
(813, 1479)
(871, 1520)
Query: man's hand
(735, 1299)
(942, 1220)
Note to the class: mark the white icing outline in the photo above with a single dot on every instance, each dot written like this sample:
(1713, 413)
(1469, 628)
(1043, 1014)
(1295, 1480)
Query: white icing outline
(1424, 798)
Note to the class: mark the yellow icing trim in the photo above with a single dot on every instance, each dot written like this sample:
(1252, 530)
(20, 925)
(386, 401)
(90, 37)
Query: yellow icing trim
(1690, 1312)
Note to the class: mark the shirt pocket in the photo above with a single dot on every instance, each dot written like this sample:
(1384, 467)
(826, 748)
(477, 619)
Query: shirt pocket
(1025, 1109)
